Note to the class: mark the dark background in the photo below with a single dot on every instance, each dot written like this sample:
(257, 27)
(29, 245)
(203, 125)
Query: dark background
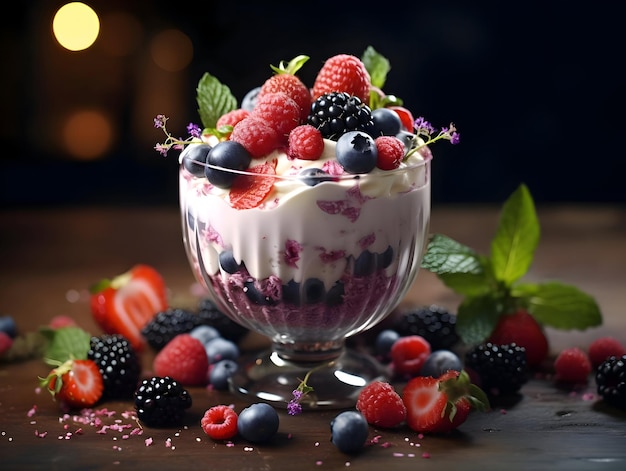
(536, 90)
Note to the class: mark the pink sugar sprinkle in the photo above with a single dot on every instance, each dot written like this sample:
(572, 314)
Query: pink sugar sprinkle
(318, 463)
(168, 443)
(103, 430)
(230, 444)
(125, 437)
(386, 445)
(420, 436)
(148, 441)
(503, 411)
(426, 455)
(589, 396)
(78, 431)
(32, 411)
(398, 455)
(136, 431)
(40, 434)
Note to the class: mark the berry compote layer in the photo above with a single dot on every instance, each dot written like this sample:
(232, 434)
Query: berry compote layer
(318, 260)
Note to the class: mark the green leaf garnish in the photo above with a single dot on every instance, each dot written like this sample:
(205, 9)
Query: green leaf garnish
(292, 67)
(513, 247)
(377, 66)
(559, 305)
(214, 100)
(65, 343)
(491, 285)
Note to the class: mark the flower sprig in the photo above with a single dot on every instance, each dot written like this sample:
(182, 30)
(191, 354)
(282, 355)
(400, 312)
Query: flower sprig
(294, 407)
(171, 142)
(429, 135)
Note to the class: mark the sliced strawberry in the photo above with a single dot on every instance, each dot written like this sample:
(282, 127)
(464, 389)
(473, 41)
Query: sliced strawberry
(249, 191)
(129, 301)
(438, 405)
(405, 116)
(76, 383)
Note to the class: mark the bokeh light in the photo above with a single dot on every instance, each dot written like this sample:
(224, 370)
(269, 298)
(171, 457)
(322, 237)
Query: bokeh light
(87, 134)
(76, 26)
(171, 50)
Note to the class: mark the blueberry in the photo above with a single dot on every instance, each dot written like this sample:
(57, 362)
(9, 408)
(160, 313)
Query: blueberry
(383, 260)
(386, 122)
(7, 325)
(313, 175)
(384, 341)
(194, 157)
(356, 152)
(258, 423)
(221, 349)
(204, 333)
(249, 100)
(228, 262)
(229, 155)
(407, 139)
(291, 292)
(221, 372)
(365, 264)
(256, 296)
(440, 361)
(313, 291)
(349, 431)
(334, 296)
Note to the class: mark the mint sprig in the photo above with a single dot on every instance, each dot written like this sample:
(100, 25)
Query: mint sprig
(214, 100)
(491, 285)
(378, 67)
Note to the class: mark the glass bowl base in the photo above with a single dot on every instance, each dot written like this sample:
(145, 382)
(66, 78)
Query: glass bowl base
(336, 383)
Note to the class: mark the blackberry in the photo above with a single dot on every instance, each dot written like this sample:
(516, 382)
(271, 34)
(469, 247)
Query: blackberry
(166, 325)
(160, 402)
(435, 323)
(209, 314)
(336, 113)
(502, 369)
(118, 364)
(611, 381)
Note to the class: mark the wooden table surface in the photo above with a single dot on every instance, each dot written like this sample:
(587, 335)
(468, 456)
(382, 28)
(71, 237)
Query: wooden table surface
(48, 258)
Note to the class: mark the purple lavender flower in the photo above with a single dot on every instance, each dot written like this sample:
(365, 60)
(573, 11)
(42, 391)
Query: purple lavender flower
(194, 130)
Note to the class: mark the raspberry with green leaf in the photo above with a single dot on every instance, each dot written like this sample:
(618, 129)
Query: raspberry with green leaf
(492, 285)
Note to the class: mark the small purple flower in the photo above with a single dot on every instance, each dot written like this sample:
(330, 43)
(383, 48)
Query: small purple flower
(424, 127)
(455, 138)
(294, 407)
(159, 121)
(162, 149)
(194, 130)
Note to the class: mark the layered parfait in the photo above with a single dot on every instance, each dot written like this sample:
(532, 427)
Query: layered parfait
(305, 211)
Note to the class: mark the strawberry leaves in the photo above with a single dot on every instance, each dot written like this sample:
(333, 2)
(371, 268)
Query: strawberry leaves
(491, 284)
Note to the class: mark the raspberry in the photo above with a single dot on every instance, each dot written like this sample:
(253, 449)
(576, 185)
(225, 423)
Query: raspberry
(343, 73)
(572, 365)
(232, 118)
(257, 136)
(279, 111)
(183, 359)
(305, 142)
(381, 405)
(603, 348)
(390, 152)
(293, 87)
(408, 355)
(220, 422)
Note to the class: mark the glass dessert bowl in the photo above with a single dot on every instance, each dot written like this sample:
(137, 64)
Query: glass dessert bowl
(322, 258)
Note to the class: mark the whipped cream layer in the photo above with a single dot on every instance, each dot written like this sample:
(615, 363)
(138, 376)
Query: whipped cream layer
(301, 233)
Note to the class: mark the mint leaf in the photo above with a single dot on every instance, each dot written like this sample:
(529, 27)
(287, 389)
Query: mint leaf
(377, 65)
(517, 236)
(214, 99)
(559, 305)
(476, 318)
(66, 343)
(445, 255)
(469, 284)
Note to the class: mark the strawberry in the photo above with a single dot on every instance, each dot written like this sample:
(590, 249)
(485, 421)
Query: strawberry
(249, 191)
(285, 81)
(129, 301)
(184, 359)
(439, 405)
(75, 383)
(408, 122)
(343, 73)
(522, 329)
